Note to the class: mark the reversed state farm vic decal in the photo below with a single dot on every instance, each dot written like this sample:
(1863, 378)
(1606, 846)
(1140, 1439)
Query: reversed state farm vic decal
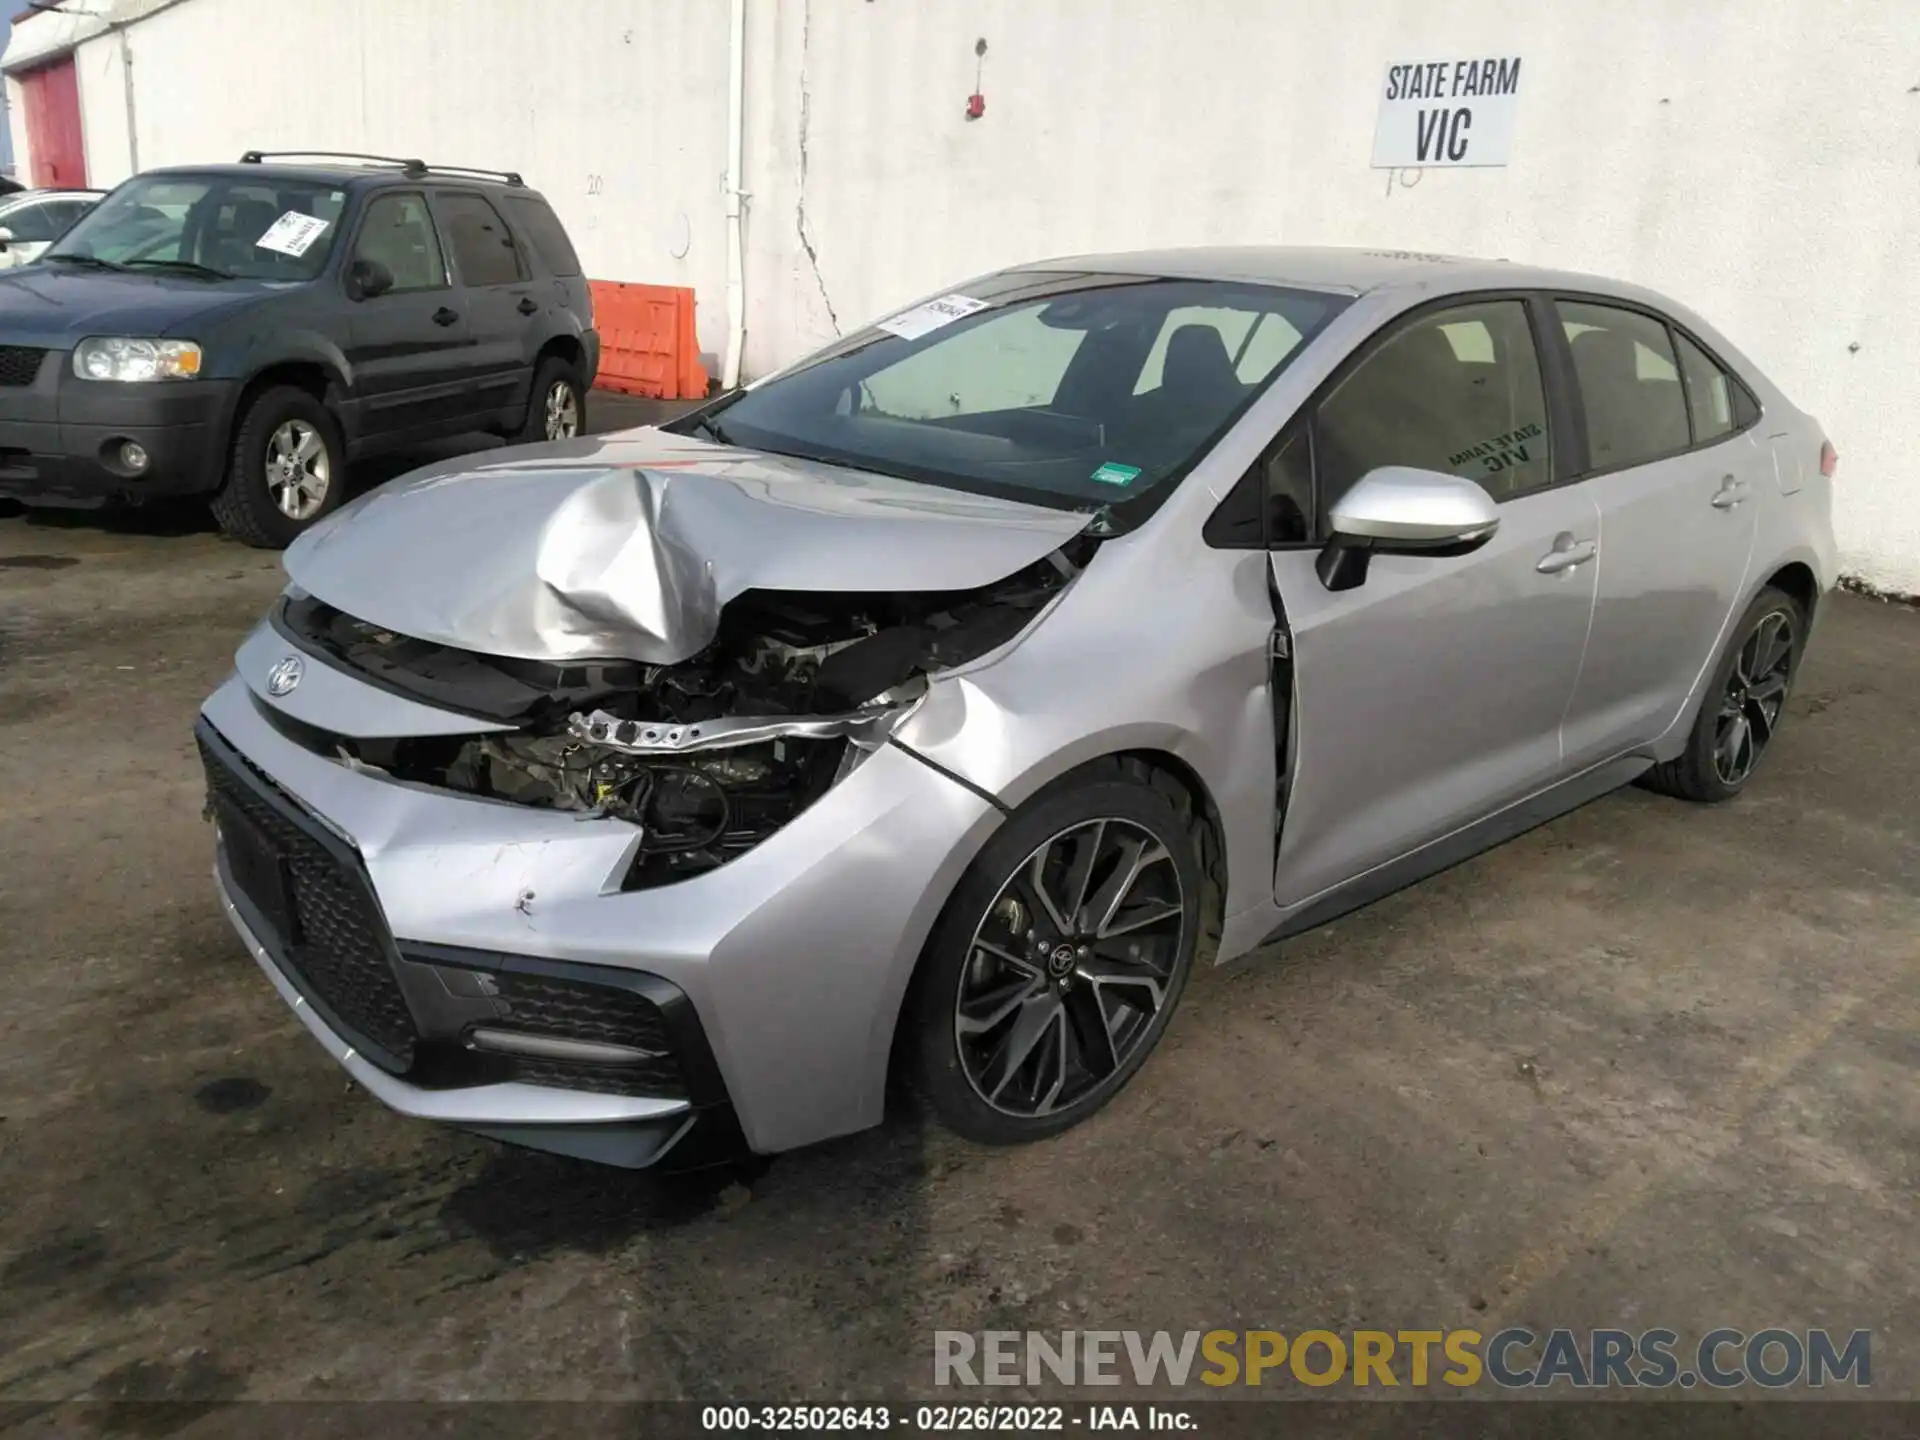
(1447, 112)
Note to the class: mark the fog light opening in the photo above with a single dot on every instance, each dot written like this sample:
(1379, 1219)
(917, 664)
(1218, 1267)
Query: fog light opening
(134, 456)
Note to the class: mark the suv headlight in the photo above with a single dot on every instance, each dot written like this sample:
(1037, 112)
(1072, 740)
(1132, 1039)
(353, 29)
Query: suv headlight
(117, 357)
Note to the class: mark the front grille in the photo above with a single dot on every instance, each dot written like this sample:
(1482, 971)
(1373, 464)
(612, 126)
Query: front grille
(19, 364)
(329, 933)
(573, 1010)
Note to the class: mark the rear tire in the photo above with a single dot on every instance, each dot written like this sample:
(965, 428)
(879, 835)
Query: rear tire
(556, 406)
(287, 469)
(1021, 1028)
(1745, 701)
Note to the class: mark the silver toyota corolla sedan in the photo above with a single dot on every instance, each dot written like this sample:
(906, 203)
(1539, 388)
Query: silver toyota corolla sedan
(931, 708)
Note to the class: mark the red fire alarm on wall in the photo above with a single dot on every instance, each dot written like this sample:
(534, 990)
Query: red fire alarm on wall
(977, 102)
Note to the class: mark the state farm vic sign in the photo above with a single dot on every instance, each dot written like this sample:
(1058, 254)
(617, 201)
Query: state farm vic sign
(1447, 112)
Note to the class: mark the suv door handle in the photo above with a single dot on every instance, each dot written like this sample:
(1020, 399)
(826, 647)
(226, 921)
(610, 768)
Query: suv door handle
(444, 316)
(528, 305)
(1566, 553)
(1731, 492)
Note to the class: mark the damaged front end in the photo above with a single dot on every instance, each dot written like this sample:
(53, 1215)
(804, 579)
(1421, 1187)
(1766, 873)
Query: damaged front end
(709, 756)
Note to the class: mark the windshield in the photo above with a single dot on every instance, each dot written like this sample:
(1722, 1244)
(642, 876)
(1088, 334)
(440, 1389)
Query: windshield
(259, 228)
(1071, 390)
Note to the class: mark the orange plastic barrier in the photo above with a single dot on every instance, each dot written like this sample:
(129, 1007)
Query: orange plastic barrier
(647, 341)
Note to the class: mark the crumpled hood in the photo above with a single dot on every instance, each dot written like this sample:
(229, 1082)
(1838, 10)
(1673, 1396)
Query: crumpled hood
(628, 545)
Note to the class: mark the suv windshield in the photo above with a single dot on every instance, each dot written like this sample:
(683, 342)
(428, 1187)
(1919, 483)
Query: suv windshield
(256, 227)
(1070, 390)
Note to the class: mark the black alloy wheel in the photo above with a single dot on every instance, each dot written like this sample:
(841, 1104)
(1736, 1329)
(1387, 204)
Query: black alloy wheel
(1059, 960)
(1068, 967)
(1746, 700)
(1754, 696)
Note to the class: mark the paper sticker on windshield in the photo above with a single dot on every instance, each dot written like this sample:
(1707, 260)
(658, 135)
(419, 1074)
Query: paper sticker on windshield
(927, 318)
(1112, 474)
(292, 234)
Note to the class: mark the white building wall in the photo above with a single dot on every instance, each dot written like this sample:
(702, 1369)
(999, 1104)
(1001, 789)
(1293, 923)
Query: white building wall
(615, 109)
(1756, 159)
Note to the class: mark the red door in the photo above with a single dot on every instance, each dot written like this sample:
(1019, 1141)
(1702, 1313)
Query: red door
(52, 95)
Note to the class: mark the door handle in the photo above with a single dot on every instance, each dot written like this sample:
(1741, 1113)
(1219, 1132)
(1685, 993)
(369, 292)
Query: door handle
(1731, 492)
(444, 316)
(528, 305)
(1566, 553)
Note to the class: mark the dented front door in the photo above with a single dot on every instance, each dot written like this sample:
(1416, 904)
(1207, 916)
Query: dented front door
(1431, 695)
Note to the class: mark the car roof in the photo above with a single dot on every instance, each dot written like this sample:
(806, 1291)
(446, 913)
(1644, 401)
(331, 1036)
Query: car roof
(1346, 271)
(333, 174)
(28, 197)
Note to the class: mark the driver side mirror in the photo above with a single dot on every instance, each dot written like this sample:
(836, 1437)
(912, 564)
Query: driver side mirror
(1403, 511)
(6, 237)
(368, 278)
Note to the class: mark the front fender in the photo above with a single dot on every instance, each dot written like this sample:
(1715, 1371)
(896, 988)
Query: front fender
(1153, 648)
(261, 353)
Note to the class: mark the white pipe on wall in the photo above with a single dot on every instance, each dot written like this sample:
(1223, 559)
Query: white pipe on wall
(736, 250)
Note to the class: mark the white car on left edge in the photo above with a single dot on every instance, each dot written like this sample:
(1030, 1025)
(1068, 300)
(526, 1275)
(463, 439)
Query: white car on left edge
(33, 219)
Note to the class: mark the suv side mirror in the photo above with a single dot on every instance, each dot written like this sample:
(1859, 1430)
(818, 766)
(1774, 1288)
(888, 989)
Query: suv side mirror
(1402, 510)
(368, 278)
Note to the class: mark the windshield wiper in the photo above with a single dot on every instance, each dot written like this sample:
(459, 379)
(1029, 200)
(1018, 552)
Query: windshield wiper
(91, 262)
(712, 427)
(185, 267)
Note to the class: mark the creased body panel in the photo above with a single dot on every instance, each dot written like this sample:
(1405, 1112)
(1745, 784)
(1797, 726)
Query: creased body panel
(628, 547)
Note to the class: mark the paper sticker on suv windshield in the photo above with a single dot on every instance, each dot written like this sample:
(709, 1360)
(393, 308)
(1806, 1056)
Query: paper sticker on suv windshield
(1112, 474)
(927, 318)
(292, 234)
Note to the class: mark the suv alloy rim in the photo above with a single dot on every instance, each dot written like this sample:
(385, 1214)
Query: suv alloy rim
(1755, 695)
(299, 471)
(1068, 968)
(563, 412)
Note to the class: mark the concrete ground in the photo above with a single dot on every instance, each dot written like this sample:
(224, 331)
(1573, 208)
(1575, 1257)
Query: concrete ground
(1651, 1065)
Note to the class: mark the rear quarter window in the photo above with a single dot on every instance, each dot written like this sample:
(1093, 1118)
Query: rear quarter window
(535, 219)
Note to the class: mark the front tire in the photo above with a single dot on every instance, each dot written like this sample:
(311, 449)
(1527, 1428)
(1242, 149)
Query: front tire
(556, 406)
(1058, 963)
(1745, 701)
(287, 468)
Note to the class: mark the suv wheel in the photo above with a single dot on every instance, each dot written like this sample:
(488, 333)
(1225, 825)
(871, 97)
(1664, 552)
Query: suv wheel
(557, 409)
(1057, 966)
(287, 469)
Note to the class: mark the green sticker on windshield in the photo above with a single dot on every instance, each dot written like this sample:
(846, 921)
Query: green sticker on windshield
(1112, 474)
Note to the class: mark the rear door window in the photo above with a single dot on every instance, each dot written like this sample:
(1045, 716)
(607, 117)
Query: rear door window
(483, 248)
(1457, 391)
(544, 232)
(1709, 393)
(1629, 382)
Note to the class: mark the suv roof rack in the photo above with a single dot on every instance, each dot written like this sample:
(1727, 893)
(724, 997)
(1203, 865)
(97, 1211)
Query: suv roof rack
(414, 168)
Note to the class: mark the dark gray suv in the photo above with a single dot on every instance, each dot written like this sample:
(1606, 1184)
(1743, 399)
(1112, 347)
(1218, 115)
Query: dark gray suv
(243, 331)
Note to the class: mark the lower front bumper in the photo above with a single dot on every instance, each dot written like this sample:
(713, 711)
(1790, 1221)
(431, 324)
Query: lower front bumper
(61, 441)
(790, 962)
(627, 1130)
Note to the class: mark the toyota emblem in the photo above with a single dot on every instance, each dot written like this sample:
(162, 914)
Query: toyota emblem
(285, 675)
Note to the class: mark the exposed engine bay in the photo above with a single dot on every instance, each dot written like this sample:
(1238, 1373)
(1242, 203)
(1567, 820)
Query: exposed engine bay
(709, 756)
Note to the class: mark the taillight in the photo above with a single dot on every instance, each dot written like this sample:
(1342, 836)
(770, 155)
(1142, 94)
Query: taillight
(1829, 459)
